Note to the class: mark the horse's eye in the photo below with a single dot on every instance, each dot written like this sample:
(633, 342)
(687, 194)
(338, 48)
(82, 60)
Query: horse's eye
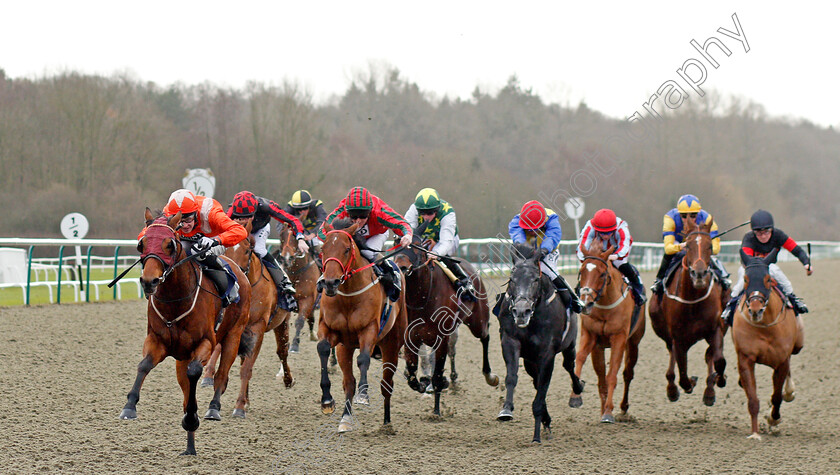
(347, 251)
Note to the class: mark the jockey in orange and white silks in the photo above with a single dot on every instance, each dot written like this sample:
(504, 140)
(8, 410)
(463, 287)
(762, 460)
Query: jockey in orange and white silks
(613, 231)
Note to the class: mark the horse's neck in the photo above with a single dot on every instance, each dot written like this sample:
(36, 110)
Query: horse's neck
(359, 279)
(614, 290)
(299, 263)
(180, 282)
(421, 280)
(255, 267)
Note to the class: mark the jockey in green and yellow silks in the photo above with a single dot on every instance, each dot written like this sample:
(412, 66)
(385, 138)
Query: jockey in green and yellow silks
(442, 228)
(673, 235)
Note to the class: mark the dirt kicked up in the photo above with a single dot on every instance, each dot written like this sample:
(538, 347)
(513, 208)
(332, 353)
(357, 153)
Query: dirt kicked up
(66, 371)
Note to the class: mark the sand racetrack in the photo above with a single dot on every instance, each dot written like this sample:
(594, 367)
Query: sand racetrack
(66, 371)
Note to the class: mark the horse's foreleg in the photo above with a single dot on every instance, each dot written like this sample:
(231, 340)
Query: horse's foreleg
(680, 352)
(438, 380)
(411, 370)
(245, 373)
(599, 364)
(345, 362)
(188, 374)
(363, 362)
(153, 354)
(629, 371)
(390, 355)
(453, 339)
(230, 346)
(327, 401)
(282, 336)
(586, 344)
(780, 375)
(746, 371)
(538, 407)
(569, 365)
(299, 322)
(718, 360)
(618, 345)
(489, 377)
(210, 368)
(510, 353)
(671, 390)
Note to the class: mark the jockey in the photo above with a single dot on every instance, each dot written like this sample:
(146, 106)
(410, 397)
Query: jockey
(763, 238)
(375, 218)
(248, 207)
(673, 235)
(613, 231)
(311, 214)
(540, 226)
(203, 215)
(442, 228)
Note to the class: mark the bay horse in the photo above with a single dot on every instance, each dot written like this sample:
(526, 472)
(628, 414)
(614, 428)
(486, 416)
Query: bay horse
(689, 311)
(181, 316)
(264, 315)
(535, 325)
(609, 320)
(765, 331)
(303, 271)
(435, 310)
(350, 317)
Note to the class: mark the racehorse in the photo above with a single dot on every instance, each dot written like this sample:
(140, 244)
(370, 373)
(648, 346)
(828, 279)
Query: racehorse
(609, 320)
(689, 311)
(181, 318)
(303, 272)
(534, 325)
(765, 331)
(265, 315)
(435, 311)
(356, 313)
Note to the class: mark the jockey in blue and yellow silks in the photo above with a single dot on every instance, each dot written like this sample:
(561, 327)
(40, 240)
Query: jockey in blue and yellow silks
(673, 235)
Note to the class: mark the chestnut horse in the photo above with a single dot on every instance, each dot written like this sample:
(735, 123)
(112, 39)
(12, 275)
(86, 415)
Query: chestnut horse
(303, 271)
(351, 306)
(435, 311)
(265, 315)
(181, 318)
(765, 331)
(689, 311)
(607, 321)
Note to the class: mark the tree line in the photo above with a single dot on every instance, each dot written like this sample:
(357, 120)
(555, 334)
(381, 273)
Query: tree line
(110, 146)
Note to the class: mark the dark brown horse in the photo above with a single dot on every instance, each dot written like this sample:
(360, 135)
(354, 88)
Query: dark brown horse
(435, 311)
(181, 318)
(689, 311)
(265, 315)
(351, 306)
(607, 322)
(303, 271)
(765, 331)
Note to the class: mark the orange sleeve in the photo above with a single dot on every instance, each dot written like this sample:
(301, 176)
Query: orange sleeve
(226, 230)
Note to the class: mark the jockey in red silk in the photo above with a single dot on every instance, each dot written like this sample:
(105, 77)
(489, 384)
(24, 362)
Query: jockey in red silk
(673, 235)
(763, 238)
(248, 207)
(204, 218)
(613, 231)
(540, 226)
(375, 218)
(442, 228)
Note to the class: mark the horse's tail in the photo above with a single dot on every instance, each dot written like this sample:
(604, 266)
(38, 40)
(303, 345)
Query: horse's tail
(246, 343)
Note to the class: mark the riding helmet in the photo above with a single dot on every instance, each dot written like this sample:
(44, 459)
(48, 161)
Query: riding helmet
(300, 199)
(532, 216)
(688, 204)
(181, 200)
(604, 221)
(761, 219)
(427, 199)
(244, 205)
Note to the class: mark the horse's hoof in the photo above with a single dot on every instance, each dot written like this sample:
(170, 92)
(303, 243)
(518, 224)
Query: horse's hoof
(362, 399)
(575, 401)
(505, 415)
(536, 441)
(328, 407)
(608, 419)
(345, 425)
(188, 452)
(673, 393)
(490, 378)
(789, 397)
(240, 413)
(754, 436)
(289, 383)
(721, 381)
(294, 348)
(313, 336)
(212, 415)
(207, 382)
(709, 400)
(773, 422)
(128, 414)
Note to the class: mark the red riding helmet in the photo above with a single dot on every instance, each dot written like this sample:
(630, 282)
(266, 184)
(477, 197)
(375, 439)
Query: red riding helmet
(604, 221)
(181, 200)
(244, 205)
(359, 198)
(532, 216)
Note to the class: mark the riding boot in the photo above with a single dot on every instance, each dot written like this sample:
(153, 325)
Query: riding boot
(798, 305)
(629, 271)
(567, 295)
(658, 286)
(285, 288)
(721, 273)
(729, 311)
(390, 278)
(463, 283)
(215, 270)
(315, 251)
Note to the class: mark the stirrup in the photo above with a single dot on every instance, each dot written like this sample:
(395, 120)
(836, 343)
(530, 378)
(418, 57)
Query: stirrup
(658, 287)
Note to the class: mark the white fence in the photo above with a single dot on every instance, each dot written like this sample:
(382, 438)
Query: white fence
(490, 255)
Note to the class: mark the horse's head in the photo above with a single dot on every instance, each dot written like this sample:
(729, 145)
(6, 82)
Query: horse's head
(288, 245)
(159, 249)
(525, 286)
(757, 283)
(240, 253)
(412, 258)
(698, 252)
(594, 274)
(340, 250)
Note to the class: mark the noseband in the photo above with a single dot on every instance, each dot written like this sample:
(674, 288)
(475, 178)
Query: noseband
(347, 270)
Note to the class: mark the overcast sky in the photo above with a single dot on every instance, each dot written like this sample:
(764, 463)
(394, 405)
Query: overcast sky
(613, 56)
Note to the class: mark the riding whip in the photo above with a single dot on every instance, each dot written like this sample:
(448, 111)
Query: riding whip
(123, 274)
(732, 229)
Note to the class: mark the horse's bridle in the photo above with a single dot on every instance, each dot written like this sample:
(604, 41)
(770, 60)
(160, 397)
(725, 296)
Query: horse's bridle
(167, 261)
(685, 259)
(756, 295)
(347, 270)
(605, 276)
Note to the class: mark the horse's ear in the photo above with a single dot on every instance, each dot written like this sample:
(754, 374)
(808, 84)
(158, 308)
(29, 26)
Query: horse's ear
(608, 252)
(689, 224)
(353, 228)
(148, 215)
(326, 227)
(516, 255)
(707, 226)
(769, 258)
(767, 281)
(174, 221)
(746, 281)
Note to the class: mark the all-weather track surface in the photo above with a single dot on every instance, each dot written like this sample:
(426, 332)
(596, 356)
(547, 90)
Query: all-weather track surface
(66, 370)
